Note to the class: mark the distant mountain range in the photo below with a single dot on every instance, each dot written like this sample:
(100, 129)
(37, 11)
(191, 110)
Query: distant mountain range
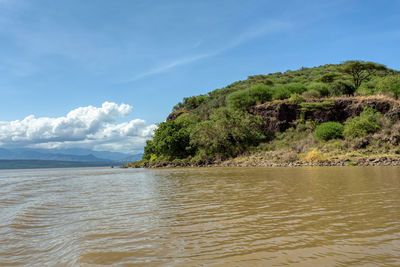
(76, 155)
(41, 164)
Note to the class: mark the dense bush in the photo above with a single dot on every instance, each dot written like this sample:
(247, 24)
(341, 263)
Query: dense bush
(329, 77)
(342, 87)
(295, 88)
(241, 99)
(216, 125)
(389, 84)
(314, 156)
(322, 88)
(329, 130)
(227, 133)
(191, 102)
(367, 123)
(280, 92)
(283, 85)
(256, 94)
(311, 94)
(171, 139)
(296, 99)
(260, 93)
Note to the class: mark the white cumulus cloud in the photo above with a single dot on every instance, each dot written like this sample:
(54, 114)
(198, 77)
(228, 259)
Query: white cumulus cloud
(89, 127)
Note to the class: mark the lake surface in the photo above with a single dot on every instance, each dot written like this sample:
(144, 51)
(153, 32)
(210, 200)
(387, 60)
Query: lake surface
(309, 216)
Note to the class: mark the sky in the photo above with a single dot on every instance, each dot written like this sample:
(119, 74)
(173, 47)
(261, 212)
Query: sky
(100, 74)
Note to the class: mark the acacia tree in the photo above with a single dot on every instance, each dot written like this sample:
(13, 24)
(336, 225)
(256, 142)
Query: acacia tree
(360, 70)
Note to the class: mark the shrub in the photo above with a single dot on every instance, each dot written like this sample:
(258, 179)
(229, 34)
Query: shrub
(194, 101)
(341, 88)
(289, 156)
(281, 93)
(390, 84)
(240, 99)
(314, 156)
(368, 87)
(312, 94)
(367, 123)
(255, 94)
(260, 93)
(322, 88)
(329, 130)
(313, 106)
(296, 99)
(295, 88)
(227, 133)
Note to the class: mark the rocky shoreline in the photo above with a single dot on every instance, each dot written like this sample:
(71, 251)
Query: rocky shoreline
(372, 161)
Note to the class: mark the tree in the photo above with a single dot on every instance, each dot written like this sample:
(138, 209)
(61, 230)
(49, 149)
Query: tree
(172, 139)
(228, 132)
(360, 70)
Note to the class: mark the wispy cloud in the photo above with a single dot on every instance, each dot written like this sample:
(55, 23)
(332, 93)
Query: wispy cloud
(256, 31)
(171, 65)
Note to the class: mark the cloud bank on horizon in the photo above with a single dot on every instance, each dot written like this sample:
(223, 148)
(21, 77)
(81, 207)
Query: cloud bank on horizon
(85, 127)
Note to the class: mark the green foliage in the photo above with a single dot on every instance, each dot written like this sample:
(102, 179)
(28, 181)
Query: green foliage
(260, 93)
(312, 106)
(296, 99)
(255, 94)
(342, 87)
(389, 84)
(241, 99)
(194, 101)
(329, 130)
(369, 87)
(283, 85)
(367, 123)
(178, 106)
(280, 92)
(360, 70)
(171, 139)
(329, 77)
(322, 88)
(217, 125)
(228, 133)
(295, 88)
(149, 150)
(312, 94)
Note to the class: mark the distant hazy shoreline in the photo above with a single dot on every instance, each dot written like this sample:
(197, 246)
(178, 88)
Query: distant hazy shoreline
(39, 164)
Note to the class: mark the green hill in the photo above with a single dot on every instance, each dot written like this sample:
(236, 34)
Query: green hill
(314, 115)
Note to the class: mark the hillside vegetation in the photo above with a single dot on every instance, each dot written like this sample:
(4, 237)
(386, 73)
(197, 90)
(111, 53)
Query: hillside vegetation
(336, 113)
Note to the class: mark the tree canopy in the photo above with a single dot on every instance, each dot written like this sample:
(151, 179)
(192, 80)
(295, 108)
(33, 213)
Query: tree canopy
(361, 71)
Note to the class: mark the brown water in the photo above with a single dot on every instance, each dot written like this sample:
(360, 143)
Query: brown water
(332, 216)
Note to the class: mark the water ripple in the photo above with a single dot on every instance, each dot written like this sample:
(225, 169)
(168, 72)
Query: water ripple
(190, 217)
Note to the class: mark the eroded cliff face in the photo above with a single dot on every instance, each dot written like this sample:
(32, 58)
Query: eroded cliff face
(175, 114)
(283, 114)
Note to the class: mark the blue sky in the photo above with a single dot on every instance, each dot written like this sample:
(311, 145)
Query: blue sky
(57, 56)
